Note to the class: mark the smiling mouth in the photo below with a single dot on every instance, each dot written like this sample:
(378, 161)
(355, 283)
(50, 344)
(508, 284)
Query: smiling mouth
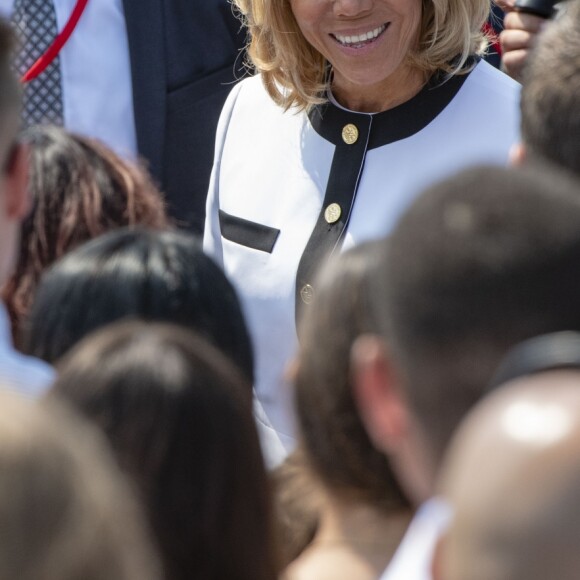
(360, 40)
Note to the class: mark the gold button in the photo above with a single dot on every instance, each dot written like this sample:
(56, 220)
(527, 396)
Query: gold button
(350, 134)
(332, 213)
(307, 294)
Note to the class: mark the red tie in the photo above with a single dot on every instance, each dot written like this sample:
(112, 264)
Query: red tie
(52, 52)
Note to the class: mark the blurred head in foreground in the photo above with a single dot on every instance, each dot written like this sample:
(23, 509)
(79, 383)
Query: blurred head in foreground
(79, 189)
(512, 477)
(178, 416)
(155, 276)
(477, 264)
(330, 425)
(362, 500)
(14, 199)
(65, 510)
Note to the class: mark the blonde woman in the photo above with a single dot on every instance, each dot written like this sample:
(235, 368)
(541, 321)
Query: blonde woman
(359, 105)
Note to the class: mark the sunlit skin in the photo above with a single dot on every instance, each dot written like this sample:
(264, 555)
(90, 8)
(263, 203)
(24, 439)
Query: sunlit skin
(353, 540)
(520, 33)
(371, 75)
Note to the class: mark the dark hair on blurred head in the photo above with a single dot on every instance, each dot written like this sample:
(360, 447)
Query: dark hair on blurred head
(334, 437)
(80, 189)
(180, 422)
(156, 276)
(477, 264)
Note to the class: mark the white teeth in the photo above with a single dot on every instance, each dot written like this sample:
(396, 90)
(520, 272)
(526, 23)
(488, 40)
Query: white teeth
(346, 40)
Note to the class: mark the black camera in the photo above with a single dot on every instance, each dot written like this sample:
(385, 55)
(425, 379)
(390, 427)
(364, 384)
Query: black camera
(543, 8)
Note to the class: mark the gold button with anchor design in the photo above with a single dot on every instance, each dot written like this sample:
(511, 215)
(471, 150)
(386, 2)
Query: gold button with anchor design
(332, 213)
(307, 294)
(350, 134)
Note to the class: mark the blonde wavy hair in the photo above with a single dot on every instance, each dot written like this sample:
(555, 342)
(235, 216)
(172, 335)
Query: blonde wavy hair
(295, 74)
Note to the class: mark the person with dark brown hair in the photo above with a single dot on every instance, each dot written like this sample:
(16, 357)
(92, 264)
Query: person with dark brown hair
(147, 77)
(364, 513)
(142, 274)
(80, 189)
(179, 419)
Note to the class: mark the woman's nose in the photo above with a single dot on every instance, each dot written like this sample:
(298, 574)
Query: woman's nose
(351, 8)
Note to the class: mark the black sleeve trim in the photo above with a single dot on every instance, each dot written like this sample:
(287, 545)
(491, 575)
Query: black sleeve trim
(247, 233)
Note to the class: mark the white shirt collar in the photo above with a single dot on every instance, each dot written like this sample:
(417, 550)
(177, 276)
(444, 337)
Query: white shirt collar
(25, 374)
(5, 332)
(413, 558)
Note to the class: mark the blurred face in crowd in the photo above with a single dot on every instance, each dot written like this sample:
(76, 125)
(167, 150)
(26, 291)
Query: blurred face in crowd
(14, 204)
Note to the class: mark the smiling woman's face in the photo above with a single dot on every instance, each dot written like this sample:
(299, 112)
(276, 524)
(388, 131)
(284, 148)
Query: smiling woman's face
(366, 41)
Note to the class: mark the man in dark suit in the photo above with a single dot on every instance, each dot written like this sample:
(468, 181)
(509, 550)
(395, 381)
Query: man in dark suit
(184, 57)
(148, 77)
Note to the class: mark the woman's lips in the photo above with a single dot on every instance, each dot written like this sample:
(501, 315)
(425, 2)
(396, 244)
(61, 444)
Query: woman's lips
(360, 40)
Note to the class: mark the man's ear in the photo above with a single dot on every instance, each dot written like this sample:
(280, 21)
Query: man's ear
(518, 155)
(377, 393)
(15, 182)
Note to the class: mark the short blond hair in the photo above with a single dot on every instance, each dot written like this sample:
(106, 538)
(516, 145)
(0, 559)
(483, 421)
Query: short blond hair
(295, 73)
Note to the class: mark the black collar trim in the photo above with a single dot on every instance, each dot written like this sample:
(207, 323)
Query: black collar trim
(394, 124)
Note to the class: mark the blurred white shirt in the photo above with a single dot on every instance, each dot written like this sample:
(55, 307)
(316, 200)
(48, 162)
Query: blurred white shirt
(24, 374)
(414, 556)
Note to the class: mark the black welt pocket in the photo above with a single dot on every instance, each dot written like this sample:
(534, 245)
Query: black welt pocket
(247, 233)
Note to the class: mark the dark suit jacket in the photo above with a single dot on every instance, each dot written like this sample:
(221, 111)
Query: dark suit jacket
(183, 56)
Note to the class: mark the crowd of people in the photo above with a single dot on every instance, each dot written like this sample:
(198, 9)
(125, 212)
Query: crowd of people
(368, 366)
